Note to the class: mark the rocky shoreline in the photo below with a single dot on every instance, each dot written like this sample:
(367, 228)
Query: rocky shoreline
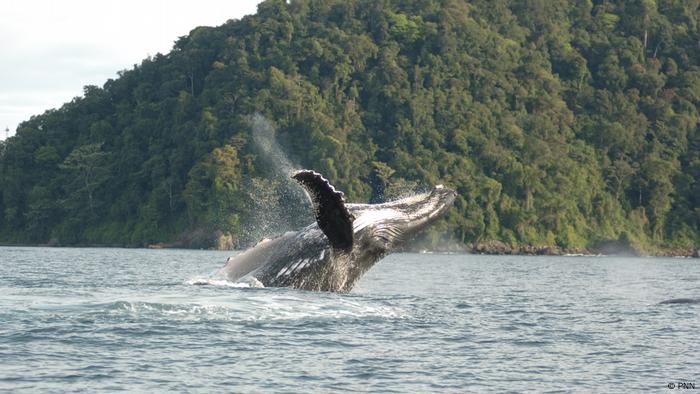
(491, 247)
(605, 248)
(498, 247)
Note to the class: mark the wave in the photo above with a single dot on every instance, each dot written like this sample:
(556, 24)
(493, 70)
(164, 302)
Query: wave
(270, 306)
(141, 307)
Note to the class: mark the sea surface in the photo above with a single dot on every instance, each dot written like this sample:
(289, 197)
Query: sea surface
(98, 320)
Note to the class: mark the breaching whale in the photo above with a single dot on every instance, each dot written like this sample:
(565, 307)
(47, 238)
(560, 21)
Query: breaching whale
(346, 240)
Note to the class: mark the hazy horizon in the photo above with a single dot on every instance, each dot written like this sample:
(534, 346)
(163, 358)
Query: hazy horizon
(52, 50)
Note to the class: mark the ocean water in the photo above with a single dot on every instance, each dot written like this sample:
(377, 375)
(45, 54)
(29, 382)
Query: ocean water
(98, 320)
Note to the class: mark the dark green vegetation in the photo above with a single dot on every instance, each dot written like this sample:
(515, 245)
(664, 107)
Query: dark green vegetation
(559, 123)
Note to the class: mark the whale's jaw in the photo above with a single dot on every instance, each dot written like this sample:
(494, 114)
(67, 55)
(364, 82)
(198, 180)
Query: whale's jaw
(393, 223)
(378, 229)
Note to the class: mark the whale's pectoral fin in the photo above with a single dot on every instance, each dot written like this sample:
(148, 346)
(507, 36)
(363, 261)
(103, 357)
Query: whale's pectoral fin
(331, 214)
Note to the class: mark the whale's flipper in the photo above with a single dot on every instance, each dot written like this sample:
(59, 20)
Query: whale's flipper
(331, 214)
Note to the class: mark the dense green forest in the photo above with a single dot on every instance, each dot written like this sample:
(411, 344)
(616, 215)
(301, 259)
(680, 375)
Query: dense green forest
(559, 122)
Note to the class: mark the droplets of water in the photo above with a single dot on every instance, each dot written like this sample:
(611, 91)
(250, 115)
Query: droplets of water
(279, 204)
(268, 147)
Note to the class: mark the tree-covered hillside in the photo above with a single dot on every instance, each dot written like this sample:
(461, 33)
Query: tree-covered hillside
(559, 122)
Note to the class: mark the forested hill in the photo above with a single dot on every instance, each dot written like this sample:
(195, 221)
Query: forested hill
(558, 122)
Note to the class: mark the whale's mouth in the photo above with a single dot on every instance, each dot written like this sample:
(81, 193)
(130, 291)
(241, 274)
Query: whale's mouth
(422, 214)
(397, 221)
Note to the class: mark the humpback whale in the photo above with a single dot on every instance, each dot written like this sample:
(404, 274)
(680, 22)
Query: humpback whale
(345, 241)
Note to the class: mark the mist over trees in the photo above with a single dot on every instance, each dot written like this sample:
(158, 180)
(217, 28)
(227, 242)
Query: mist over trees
(559, 122)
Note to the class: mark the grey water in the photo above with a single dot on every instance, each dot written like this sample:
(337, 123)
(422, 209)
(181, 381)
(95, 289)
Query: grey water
(97, 320)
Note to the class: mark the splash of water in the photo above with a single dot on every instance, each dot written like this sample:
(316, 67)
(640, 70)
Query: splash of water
(292, 197)
(279, 203)
(266, 143)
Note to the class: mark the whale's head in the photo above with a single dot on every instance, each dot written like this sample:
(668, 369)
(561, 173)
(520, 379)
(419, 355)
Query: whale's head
(391, 224)
(360, 234)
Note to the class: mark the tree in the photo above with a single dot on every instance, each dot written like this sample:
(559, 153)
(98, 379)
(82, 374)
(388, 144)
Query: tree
(86, 165)
(556, 121)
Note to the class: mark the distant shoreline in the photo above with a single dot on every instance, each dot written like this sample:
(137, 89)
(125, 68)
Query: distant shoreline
(495, 248)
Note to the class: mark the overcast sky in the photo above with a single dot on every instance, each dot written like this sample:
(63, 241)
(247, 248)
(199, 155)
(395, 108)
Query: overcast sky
(50, 49)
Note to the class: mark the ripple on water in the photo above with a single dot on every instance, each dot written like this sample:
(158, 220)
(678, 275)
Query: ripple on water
(143, 320)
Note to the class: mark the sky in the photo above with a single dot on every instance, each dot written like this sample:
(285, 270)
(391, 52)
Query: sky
(50, 49)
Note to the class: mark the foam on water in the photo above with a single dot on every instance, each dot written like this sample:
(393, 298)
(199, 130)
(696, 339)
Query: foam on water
(246, 283)
(242, 308)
